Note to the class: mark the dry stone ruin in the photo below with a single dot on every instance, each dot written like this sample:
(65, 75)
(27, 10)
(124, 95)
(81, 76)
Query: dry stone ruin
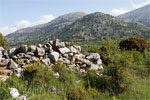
(15, 59)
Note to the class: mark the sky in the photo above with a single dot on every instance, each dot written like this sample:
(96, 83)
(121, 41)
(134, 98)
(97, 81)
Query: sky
(17, 14)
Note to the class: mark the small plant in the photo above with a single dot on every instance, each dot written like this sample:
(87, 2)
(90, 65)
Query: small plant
(77, 94)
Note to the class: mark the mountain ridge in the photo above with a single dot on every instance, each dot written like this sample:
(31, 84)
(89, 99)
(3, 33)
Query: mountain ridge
(140, 15)
(84, 28)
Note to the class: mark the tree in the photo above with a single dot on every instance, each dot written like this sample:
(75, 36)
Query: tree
(2, 41)
(132, 43)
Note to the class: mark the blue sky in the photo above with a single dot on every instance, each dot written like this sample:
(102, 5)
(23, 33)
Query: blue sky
(17, 14)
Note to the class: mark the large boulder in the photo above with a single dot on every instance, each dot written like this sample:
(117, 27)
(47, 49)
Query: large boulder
(57, 44)
(77, 47)
(12, 65)
(93, 57)
(73, 50)
(4, 62)
(32, 48)
(40, 52)
(64, 50)
(54, 56)
(22, 49)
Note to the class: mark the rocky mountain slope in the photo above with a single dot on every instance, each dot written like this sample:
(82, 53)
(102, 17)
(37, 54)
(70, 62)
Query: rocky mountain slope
(40, 33)
(140, 15)
(86, 27)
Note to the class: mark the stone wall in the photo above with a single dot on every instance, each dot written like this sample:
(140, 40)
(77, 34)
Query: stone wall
(49, 53)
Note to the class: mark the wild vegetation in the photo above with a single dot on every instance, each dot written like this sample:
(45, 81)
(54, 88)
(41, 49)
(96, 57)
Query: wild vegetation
(2, 41)
(125, 76)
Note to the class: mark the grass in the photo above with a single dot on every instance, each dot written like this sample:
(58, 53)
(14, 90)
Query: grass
(68, 86)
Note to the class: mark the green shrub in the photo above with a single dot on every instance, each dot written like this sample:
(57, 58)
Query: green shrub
(32, 69)
(4, 91)
(136, 43)
(114, 78)
(104, 54)
(66, 75)
(77, 94)
(2, 41)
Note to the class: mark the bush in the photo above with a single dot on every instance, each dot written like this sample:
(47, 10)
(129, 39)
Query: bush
(2, 41)
(136, 43)
(104, 54)
(114, 78)
(32, 69)
(77, 94)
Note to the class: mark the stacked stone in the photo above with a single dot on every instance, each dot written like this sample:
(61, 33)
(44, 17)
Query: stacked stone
(49, 54)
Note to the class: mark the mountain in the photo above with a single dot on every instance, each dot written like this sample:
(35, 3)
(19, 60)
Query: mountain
(140, 15)
(86, 27)
(40, 33)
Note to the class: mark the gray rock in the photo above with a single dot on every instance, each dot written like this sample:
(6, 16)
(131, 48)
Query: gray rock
(27, 56)
(77, 47)
(78, 57)
(4, 62)
(64, 50)
(46, 61)
(54, 56)
(93, 57)
(21, 98)
(22, 49)
(1, 48)
(5, 54)
(12, 65)
(33, 59)
(65, 60)
(12, 50)
(96, 67)
(57, 44)
(40, 45)
(73, 50)
(32, 48)
(52, 89)
(56, 75)
(30, 53)
(19, 72)
(40, 52)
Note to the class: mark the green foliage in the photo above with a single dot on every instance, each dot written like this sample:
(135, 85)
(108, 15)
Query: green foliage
(4, 92)
(125, 76)
(2, 41)
(31, 70)
(132, 43)
(66, 75)
(77, 94)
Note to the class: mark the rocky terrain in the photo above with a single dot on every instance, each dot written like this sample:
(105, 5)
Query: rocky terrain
(140, 16)
(15, 59)
(44, 31)
(78, 27)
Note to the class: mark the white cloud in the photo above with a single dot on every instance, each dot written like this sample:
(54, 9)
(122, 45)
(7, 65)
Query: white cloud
(135, 6)
(25, 23)
(7, 29)
(120, 11)
(117, 12)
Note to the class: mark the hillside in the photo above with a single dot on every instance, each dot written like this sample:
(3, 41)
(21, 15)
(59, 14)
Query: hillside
(140, 15)
(79, 28)
(40, 33)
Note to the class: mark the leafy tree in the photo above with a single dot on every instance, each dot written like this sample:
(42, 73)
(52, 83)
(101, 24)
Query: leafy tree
(2, 41)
